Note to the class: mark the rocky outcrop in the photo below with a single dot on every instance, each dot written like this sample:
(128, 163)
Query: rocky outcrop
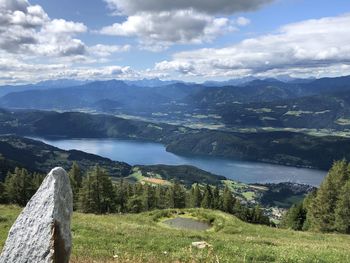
(41, 232)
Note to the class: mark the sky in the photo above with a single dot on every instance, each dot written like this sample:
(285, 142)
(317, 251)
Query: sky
(189, 40)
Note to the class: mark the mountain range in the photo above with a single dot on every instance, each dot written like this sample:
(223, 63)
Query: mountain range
(321, 103)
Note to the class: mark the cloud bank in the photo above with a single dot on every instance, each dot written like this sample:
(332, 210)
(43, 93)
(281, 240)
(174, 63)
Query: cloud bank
(217, 7)
(159, 24)
(27, 29)
(33, 46)
(310, 47)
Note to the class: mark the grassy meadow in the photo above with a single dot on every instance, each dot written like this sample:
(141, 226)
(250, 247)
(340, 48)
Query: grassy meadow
(144, 238)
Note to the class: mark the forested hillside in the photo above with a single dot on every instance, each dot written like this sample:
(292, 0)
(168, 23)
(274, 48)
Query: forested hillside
(288, 148)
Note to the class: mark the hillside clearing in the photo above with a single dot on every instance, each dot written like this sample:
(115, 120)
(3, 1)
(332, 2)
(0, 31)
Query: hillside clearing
(140, 238)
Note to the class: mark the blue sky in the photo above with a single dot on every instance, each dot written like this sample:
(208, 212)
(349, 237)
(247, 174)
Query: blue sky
(194, 40)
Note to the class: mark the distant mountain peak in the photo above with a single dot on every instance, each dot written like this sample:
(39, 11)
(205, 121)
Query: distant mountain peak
(152, 82)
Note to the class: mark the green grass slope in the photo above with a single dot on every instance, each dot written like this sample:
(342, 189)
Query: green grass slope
(143, 238)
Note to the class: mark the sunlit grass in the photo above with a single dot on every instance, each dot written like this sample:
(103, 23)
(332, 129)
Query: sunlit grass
(141, 238)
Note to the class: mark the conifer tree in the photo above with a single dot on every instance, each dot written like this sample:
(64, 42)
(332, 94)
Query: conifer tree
(19, 187)
(160, 197)
(169, 197)
(307, 203)
(138, 189)
(97, 194)
(196, 196)
(227, 200)
(322, 210)
(239, 210)
(135, 204)
(149, 197)
(216, 204)
(129, 190)
(2, 193)
(86, 199)
(121, 190)
(179, 194)
(207, 198)
(295, 217)
(37, 179)
(342, 210)
(75, 177)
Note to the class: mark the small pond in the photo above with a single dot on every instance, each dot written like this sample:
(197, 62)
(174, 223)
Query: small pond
(187, 223)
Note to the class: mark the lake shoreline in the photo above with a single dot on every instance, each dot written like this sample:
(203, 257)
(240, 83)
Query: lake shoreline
(137, 152)
(184, 154)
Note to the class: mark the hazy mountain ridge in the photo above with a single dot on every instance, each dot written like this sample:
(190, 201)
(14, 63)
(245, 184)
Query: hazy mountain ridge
(257, 103)
(42, 85)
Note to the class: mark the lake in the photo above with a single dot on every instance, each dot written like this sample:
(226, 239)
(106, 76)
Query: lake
(147, 153)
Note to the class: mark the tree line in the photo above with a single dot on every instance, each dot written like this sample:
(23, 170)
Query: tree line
(328, 208)
(95, 192)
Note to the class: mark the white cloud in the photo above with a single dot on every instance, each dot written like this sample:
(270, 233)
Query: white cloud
(35, 47)
(242, 21)
(211, 7)
(34, 16)
(308, 47)
(106, 50)
(61, 26)
(167, 28)
(17, 71)
(27, 30)
(157, 24)
(11, 5)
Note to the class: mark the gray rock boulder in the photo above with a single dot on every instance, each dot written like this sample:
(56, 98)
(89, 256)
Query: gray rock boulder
(42, 232)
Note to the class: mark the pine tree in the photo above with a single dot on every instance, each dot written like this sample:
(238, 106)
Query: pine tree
(135, 204)
(322, 210)
(239, 211)
(37, 179)
(19, 187)
(179, 194)
(227, 200)
(160, 197)
(121, 190)
(149, 197)
(75, 177)
(108, 196)
(97, 194)
(307, 203)
(207, 198)
(216, 199)
(342, 210)
(295, 217)
(169, 197)
(138, 189)
(196, 196)
(2, 193)
(129, 190)
(86, 199)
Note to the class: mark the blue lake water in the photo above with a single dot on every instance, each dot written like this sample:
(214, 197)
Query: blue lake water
(136, 152)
